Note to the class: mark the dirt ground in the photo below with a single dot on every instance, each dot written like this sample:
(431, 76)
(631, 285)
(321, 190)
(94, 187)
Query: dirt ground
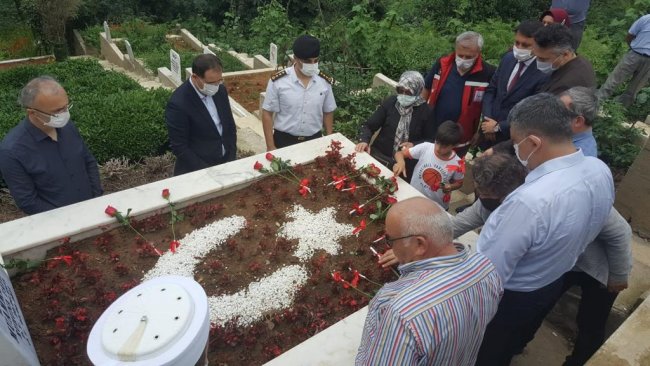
(246, 89)
(115, 175)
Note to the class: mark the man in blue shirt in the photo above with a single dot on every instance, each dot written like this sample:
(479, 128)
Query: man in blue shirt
(635, 63)
(44, 160)
(584, 104)
(540, 229)
(577, 10)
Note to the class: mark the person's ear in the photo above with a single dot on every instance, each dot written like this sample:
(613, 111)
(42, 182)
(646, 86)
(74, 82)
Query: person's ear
(421, 246)
(580, 121)
(537, 142)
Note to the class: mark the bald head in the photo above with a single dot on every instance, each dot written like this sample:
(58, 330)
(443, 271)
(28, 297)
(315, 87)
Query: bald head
(428, 226)
(37, 88)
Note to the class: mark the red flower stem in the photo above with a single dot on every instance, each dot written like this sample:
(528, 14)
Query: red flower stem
(352, 287)
(173, 213)
(369, 280)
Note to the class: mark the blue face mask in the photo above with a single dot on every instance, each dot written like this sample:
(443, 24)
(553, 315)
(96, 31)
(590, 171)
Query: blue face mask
(406, 100)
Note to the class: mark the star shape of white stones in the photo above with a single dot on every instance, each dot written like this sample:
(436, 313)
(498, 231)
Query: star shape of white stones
(314, 231)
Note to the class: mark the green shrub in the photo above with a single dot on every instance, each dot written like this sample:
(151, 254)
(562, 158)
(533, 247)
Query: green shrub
(115, 115)
(616, 142)
(353, 109)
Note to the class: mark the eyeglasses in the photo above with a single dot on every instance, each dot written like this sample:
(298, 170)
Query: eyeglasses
(402, 90)
(67, 108)
(389, 241)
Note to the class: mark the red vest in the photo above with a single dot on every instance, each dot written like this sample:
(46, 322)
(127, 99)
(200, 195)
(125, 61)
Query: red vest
(475, 86)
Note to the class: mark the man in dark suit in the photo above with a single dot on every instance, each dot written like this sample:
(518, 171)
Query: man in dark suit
(202, 131)
(516, 78)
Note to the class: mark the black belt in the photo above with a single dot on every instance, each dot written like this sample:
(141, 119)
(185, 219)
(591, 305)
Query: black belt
(640, 54)
(299, 138)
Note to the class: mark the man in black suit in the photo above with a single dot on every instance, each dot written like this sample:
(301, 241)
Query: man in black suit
(201, 127)
(516, 78)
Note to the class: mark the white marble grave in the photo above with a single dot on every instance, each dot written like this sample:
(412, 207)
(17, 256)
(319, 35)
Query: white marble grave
(30, 237)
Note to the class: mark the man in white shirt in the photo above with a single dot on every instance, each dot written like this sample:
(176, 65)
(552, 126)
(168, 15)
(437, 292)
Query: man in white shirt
(541, 228)
(299, 100)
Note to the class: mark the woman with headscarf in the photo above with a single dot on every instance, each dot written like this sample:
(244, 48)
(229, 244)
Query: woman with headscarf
(556, 15)
(403, 120)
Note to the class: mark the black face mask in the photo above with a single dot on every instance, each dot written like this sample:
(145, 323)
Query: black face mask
(490, 204)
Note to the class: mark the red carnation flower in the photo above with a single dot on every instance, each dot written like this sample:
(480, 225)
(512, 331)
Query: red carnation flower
(336, 276)
(165, 193)
(391, 200)
(111, 211)
(258, 166)
(60, 322)
(269, 156)
(355, 279)
(174, 245)
(358, 229)
(66, 258)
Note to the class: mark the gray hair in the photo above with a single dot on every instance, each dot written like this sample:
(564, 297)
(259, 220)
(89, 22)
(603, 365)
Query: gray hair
(470, 36)
(36, 86)
(542, 114)
(583, 103)
(435, 226)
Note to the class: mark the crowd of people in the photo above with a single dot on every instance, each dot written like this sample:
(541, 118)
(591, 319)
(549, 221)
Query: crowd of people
(543, 199)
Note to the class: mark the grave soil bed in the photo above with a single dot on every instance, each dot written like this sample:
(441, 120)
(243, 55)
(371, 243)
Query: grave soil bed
(61, 301)
(246, 89)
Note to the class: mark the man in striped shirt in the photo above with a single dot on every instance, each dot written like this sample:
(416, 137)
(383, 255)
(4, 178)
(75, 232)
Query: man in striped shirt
(437, 311)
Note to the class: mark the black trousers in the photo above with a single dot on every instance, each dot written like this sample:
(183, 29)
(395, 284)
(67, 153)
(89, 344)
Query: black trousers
(517, 317)
(283, 139)
(595, 304)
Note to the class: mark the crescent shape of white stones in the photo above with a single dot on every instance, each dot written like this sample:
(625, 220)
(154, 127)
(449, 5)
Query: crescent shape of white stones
(274, 292)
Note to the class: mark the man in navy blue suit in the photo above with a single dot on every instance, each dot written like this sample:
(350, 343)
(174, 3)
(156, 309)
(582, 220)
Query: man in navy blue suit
(202, 131)
(516, 78)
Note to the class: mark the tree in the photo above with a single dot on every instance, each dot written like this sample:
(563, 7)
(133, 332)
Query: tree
(49, 19)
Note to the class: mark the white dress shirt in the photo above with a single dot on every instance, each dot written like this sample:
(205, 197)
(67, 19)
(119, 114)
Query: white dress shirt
(514, 69)
(299, 109)
(212, 109)
(542, 227)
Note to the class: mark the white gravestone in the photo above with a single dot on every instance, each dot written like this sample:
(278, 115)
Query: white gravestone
(273, 55)
(129, 51)
(107, 31)
(16, 345)
(207, 51)
(175, 60)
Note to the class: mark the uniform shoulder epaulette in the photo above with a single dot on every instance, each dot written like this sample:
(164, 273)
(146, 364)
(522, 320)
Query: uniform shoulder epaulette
(278, 75)
(327, 78)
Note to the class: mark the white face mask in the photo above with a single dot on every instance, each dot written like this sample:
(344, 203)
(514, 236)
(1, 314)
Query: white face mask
(516, 147)
(58, 120)
(522, 54)
(209, 89)
(310, 69)
(406, 100)
(463, 64)
(547, 67)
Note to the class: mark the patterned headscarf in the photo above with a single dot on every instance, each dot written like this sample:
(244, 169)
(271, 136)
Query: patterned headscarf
(413, 81)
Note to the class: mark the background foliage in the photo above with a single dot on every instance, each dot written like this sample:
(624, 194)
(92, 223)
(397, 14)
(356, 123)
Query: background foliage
(114, 114)
(358, 39)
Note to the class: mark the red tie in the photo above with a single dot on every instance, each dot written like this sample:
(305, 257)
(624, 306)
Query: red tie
(521, 66)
